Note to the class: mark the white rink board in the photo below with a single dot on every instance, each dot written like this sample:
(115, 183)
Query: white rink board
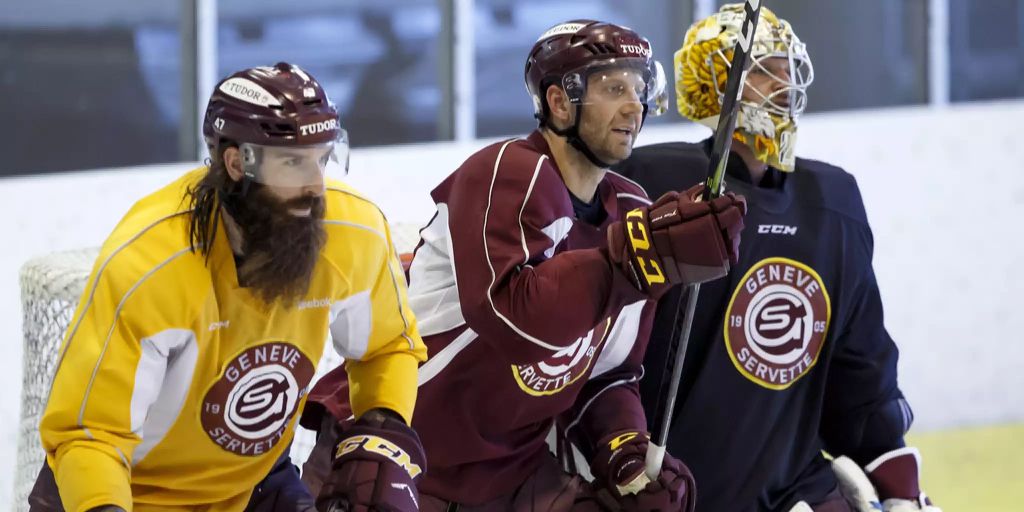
(943, 188)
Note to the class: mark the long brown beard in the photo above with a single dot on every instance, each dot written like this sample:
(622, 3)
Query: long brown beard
(280, 250)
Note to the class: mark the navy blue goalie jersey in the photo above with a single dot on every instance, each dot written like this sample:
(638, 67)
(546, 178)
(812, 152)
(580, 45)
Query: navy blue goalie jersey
(788, 354)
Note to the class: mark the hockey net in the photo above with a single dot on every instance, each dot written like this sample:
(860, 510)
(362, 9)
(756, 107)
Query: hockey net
(50, 288)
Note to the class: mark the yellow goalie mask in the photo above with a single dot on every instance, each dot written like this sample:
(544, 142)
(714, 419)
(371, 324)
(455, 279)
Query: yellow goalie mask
(775, 87)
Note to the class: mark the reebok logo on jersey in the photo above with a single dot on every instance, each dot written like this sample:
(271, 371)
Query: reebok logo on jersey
(248, 409)
(775, 229)
(314, 303)
(776, 322)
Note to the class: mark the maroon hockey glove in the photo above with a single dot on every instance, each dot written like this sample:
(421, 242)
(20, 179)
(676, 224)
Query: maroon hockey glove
(376, 464)
(895, 477)
(890, 483)
(620, 482)
(677, 240)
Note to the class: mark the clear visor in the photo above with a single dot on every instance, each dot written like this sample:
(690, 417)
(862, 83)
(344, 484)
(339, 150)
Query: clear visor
(618, 82)
(659, 94)
(296, 166)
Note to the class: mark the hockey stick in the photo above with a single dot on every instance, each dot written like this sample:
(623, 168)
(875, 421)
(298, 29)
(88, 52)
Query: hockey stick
(713, 187)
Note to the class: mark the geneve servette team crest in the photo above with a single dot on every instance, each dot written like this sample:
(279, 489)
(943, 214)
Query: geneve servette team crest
(564, 367)
(248, 409)
(776, 322)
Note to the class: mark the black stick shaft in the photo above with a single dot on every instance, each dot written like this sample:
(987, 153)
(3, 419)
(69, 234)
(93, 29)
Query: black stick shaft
(669, 387)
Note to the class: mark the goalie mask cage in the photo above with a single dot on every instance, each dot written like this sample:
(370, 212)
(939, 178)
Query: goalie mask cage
(50, 289)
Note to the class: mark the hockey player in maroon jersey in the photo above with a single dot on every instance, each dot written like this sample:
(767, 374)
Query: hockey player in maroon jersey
(533, 288)
(789, 354)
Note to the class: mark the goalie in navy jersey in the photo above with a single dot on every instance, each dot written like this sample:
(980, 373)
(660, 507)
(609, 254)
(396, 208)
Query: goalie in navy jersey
(788, 355)
(534, 286)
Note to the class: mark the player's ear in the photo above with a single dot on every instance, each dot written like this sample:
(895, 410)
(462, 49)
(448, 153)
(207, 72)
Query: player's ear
(233, 163)
(559, 108)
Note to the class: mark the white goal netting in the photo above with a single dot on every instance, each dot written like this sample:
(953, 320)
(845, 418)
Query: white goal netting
(50, 289)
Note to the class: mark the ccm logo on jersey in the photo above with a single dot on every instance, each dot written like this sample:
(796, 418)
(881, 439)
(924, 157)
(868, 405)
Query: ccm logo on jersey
(380, 446)
(315, 128)
(776, 229)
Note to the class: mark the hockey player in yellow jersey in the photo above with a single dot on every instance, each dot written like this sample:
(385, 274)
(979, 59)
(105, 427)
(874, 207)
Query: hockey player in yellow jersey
(194, 343)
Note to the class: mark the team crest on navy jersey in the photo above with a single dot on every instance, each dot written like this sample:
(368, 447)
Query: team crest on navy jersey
(564, 367)
(247, 410)
(776, 322)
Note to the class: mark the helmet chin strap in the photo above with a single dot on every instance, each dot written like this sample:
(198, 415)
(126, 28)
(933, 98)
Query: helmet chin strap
(572, 136)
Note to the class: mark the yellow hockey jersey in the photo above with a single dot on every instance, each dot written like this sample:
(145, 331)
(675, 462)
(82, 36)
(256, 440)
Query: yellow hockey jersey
(176, 388)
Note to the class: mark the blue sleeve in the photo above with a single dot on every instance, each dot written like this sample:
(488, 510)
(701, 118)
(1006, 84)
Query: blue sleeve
(864, 414)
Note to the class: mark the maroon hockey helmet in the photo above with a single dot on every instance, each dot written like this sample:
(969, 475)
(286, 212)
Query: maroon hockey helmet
(271, 106)
(273, 113)
(563, 54)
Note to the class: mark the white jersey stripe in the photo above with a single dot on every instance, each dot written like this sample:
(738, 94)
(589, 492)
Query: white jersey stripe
(487, 253)
(162, 382)
(634, 197)
(621, 339)
(637, 185)
(391, 270)
(620, 382)
(529, 191)
(439, 361)
(113, 325)
(92, 291)
(433, 286)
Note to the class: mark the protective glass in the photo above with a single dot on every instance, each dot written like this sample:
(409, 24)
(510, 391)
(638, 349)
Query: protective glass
(296, 166)
(618, 81)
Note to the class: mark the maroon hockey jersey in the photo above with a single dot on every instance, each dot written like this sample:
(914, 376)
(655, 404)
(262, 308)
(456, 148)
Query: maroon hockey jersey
(525, 321)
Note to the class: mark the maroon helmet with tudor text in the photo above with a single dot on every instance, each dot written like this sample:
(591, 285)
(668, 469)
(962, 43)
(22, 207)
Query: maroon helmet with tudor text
(265, 110)
(567, 54)
(273, 106)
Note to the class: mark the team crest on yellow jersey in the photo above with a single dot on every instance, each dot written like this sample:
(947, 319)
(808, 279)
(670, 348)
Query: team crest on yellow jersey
(776, 322)
(564, 367)
(248, 409)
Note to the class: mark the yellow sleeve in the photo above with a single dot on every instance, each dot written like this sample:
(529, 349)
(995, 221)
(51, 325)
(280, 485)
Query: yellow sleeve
(86, 426)
(385, 376)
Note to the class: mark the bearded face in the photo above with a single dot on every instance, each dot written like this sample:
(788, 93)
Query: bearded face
(279, 249)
